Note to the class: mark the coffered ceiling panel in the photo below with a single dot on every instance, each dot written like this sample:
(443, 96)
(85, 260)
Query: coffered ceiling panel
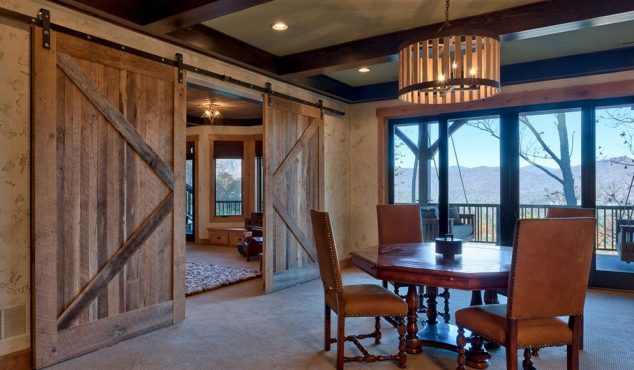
(586, 40)
(319, 23)
(232, 107)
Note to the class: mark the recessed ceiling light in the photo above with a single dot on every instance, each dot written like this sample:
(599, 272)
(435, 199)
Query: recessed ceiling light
(279, 26)
(364, 69)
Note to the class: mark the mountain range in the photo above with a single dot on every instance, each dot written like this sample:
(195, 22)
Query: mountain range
(536, 187)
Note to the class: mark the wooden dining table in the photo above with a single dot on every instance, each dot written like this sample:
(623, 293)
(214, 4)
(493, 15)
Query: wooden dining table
(480, 267)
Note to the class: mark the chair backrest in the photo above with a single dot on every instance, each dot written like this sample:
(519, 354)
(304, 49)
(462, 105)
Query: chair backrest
(565, 212)
(326, 251)
(399, 224)
(550, 268)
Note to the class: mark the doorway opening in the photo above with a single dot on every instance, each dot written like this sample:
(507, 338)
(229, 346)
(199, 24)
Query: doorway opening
(190, 195)
(224, 189)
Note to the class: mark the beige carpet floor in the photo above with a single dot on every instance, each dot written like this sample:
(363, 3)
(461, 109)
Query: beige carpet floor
(238, 328)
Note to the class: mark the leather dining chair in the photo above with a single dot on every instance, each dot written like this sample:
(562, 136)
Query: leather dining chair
(548, 279)
(566, 212)
(364, 300)
(399, 224)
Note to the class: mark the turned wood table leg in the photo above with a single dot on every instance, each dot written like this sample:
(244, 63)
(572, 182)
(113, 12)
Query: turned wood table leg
(413, 344)
(491, 297)
(476, 298)
(432, 305)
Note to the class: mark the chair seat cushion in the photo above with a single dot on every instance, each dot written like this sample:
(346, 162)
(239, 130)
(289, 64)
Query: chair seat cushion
(490, 321)
(368, 300)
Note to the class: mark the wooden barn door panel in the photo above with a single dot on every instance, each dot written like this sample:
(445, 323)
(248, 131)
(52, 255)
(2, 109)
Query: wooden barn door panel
(108, 212)
(293, 143)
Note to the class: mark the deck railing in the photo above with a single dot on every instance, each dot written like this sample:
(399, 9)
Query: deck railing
(487, 218)
(228, 207)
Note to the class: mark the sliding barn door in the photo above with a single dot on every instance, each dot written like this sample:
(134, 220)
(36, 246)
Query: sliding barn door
(294, 184)
(108, 197)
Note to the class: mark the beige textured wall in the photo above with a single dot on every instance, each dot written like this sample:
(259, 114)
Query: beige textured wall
(364, 174)
(14, 173)
(14, 131)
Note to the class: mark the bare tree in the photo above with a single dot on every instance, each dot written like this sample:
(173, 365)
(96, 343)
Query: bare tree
(534, 148)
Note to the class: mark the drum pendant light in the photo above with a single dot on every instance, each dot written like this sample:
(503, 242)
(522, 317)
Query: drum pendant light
(456, 65)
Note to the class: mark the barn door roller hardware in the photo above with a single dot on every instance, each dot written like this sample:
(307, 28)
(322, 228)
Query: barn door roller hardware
(44, 16)
(43, 20)
(179, 65)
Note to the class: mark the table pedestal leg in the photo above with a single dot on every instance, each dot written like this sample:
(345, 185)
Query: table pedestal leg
(477, 356)
(413, 344)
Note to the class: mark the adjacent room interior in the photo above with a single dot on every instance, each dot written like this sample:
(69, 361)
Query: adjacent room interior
(224, 189)
(283, 184)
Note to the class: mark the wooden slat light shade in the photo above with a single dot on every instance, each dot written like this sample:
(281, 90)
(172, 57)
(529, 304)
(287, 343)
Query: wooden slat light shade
(228, 149)
(455, 66)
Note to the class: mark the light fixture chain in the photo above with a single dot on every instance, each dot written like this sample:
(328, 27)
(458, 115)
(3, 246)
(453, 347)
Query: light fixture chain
(447, 13)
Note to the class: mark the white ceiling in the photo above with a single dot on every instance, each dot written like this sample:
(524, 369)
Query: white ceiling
(581, 41)
(318, 23)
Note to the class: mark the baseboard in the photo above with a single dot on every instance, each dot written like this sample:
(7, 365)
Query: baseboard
(19, 360)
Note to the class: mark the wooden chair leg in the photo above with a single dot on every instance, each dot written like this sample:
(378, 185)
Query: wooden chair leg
(581, 325)
(341, 339)
(326, 328)
(461, 341)
(377, 330)
(402, 357)
(511, 345)
(572, 351)
(527, 364)
(572, 357)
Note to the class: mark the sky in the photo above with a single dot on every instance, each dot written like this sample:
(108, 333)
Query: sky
(476, 147)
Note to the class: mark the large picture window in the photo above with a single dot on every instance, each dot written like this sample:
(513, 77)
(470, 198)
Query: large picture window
(517, 162)
(228, 157)
(550, 160)
(236, 176)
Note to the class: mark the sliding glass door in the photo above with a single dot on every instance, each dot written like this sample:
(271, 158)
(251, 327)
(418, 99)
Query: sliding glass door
(414, 163)
(614, 196)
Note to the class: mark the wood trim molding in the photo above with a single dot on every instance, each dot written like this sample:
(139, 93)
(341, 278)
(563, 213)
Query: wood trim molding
(18, 360)
(613, 85)
(248, 175)
(197, 188)
(382, 160)
(555, 91)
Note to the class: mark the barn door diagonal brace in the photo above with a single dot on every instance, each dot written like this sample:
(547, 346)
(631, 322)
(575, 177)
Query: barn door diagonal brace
(116, 118)
(44, 16)
(116, 262)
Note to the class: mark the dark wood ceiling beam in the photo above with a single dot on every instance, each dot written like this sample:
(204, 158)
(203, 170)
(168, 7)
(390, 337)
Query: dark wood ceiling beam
(121, 11)
(383, 48)
(170, 15)
(215, 42)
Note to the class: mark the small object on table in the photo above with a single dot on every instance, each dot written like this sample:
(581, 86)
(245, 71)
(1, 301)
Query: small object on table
(448, 246)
